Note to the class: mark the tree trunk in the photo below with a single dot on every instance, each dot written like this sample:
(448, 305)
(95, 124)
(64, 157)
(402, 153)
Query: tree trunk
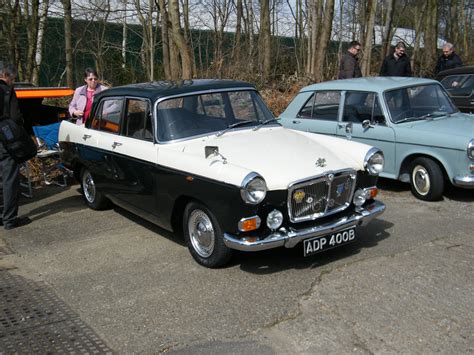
(68, 41)
(238, 31)
(431, 37)
(178, 38)
(324, 40)
(165, 40)
(39, 46)
(420, 10)
(31, 19)
(387, 30)
(124, 35)
(265, 38)
(367, 55)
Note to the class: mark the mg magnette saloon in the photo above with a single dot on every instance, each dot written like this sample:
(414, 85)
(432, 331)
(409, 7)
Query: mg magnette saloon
(208, 159)
(425, 140)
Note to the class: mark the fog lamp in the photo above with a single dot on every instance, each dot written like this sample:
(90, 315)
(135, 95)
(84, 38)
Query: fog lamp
(274, 219)
(360, 196)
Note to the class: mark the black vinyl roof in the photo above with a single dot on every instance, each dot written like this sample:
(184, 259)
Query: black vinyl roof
(157, 89)
(468, 69)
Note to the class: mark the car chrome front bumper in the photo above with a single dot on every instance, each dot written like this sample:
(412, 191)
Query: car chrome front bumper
(292, 237)
(464, 181)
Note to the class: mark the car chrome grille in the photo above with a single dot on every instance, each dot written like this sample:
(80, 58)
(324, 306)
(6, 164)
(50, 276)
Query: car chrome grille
(321, 196)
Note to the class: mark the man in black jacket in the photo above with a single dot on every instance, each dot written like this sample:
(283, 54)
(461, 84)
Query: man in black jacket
(448, 60)
(9, 168)
(397, 63)
(349, 67)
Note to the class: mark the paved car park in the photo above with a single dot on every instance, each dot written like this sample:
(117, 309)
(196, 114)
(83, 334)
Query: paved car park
(405, 284)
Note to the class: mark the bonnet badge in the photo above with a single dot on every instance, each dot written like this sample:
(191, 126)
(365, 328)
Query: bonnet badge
(321, 162)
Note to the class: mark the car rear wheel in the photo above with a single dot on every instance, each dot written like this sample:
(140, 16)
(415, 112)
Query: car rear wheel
(204, 237)
(426, 178)
(93, 198)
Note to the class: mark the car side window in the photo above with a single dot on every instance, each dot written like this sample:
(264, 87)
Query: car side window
(137, 122)
(459, 85)
(322, 105)
(362, 106)
(108, 115)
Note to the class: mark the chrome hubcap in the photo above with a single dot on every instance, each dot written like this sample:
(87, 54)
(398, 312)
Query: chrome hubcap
(421, 180)
(201, 233)
(89, 187)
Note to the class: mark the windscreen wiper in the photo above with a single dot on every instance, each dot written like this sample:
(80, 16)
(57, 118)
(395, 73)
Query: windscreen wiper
(233, 125)
(265, 122)
(424, 117)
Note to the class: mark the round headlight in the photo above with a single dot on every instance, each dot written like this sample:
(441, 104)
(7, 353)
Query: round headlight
(470, 149)
(253, 189)
(274, 219)
(374, 161)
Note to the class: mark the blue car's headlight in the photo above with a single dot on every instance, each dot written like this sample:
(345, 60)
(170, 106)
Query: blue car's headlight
(470, 149)
(373, 161)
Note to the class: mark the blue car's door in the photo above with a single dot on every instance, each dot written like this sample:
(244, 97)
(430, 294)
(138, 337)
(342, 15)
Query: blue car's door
(364, 106)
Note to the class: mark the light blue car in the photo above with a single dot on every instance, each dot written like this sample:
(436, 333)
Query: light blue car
(425, 139)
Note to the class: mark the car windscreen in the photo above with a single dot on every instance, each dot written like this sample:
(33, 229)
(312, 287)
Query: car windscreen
(209, 113)
(418, 103)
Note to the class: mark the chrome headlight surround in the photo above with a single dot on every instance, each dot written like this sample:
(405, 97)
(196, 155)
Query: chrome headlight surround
(470, 149)
(374, 161)
(253, 189)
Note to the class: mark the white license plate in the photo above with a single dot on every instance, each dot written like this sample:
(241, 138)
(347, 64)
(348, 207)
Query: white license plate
(319, 244)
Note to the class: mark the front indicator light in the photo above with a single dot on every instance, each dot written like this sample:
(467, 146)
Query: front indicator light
(249, 224)
(274, 220)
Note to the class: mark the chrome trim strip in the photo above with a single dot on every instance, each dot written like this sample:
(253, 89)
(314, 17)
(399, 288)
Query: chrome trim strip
(464, 181)
(291, 238)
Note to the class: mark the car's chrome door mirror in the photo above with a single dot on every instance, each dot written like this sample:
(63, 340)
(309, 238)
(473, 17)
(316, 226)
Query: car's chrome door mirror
(366, 124)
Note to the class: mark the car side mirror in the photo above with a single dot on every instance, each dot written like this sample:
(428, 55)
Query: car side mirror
(366, 124)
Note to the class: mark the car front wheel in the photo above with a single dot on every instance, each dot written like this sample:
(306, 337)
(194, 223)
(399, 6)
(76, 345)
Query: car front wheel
(204, 237)
(93, 198)
(426, 179)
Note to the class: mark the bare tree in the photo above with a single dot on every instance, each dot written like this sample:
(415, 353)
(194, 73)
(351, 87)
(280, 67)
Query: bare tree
(68, 41)
(265, 38)
(39, 45)
(430, 37)
(367, 57)
(387, 29)
(324, 40)
(180, 41)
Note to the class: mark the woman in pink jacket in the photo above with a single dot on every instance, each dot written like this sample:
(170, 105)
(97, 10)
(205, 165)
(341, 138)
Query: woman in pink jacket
(81, 104)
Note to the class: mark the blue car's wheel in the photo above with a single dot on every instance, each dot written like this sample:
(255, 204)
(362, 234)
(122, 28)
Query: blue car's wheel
(426, 179)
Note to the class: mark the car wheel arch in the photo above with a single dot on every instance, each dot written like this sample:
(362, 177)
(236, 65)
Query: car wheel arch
(178, 211)
(404, 174)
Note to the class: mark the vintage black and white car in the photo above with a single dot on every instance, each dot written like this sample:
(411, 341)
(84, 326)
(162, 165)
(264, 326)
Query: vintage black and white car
(208, 159)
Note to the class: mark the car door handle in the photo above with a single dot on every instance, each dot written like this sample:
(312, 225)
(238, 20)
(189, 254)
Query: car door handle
(296, 122)
(341, 125)
(86, 136)
(116, 144)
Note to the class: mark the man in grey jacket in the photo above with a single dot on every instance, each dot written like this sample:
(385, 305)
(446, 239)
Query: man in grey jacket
(349, 67)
